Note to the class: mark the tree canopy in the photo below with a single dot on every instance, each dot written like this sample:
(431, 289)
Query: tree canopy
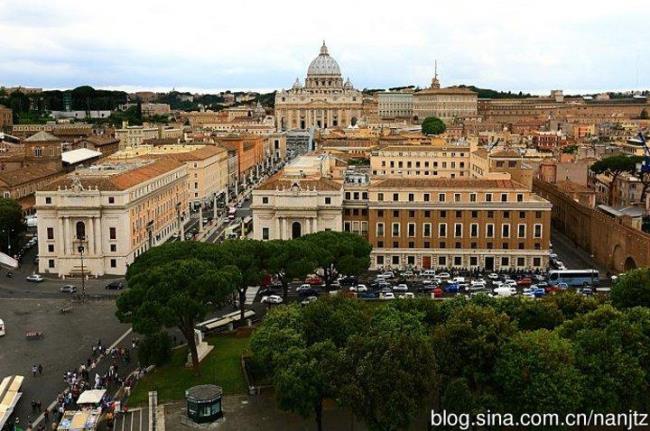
(12, 225)
(632, 289)
(614, 166)
(433, 126)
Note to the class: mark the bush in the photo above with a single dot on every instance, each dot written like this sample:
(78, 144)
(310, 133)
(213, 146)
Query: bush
(155, 349)
(632, 289)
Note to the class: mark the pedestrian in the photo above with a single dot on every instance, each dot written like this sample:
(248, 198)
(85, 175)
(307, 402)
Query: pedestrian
(34, 370)
(39, 405)
(46, 415)
(40, 369)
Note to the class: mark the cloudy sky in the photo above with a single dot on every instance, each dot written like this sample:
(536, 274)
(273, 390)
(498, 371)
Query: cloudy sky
(260, 44)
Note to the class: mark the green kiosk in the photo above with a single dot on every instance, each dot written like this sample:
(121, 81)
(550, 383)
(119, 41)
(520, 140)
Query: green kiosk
(204, 403)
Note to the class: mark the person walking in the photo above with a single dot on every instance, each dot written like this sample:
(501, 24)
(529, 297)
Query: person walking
(40, 369)
(34, 370)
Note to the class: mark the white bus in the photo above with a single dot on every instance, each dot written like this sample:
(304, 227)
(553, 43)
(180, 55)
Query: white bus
(574, 277)
(231, 213)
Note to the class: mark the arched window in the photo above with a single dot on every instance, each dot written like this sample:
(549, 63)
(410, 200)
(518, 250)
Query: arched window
(81, 230)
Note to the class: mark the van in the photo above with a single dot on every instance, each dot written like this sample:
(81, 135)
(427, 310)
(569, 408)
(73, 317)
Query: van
(2, 328)
(503, 291)
(428, 273)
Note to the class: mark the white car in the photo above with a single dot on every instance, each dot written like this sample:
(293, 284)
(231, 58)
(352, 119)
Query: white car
(359, 288)
(407, 273)
(493, 276)
(407, 295)
(509, 282)
(503, 291)
(2, 328)
(553, 256)
(388, 274)
(401, 288)
(478, 284)
(444, 275)
(308, 300)
(388, 295)
(459, 279)
(35, 278)
(272, 299)
(303, 287)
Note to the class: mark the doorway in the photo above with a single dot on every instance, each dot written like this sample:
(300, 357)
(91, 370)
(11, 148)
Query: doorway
(489, 263)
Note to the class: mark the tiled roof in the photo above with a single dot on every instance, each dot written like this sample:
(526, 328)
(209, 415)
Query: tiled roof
(448, 90)
(28, 173)
(571, 187)
(42, 137)
(100, 141)
(119, 181)
(447, 183)
(505, 154)
(200, 154)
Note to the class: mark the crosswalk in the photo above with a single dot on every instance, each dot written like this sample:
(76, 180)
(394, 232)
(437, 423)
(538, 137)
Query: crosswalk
(251, 293)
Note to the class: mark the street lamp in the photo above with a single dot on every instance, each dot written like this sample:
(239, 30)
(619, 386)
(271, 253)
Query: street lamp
(8, 240)
(80, 249)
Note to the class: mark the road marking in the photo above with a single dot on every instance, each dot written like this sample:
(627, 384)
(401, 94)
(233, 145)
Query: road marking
(119, 340)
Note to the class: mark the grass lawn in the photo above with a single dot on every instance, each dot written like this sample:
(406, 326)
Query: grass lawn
(221, 367)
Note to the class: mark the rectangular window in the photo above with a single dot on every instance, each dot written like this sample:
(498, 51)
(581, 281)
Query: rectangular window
(346, 226)
(537, 261)
(473, 261)
(489, 230)
(537, 232)
(50, 233)
(472, 197)
(265, 200)
(50, 248)
(48, 200)
(456, 197)
(395, 229)
(113, 263)
(426, 229)
(380, 229)
(395, 260)
(111, 200)
(427, 197)
(395, 213)
(521, 231)
(380, 196)
(411, 197)
(504, 197)
(380, 260)
(458, 230)
(505, 230)
(521, 262)
(505, 261)
(50, 263)
(113, 248)
(442, 230)
(411, 229)
(395, 197)
(441, 197)
(112, 233)
(442, 261)
(488, 197)
(328, 201)
(473, 230)
(458, 260)
(520, 197)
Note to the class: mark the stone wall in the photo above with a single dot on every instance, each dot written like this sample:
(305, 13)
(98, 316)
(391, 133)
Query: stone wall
(612, 243)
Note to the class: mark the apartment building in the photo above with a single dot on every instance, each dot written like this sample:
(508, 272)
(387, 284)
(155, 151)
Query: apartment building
(108, 214)
(434, 161)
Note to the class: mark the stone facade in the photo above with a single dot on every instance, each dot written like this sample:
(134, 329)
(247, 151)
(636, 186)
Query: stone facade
(323, 101)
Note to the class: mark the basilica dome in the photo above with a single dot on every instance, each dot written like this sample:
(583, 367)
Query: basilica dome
(323, 64)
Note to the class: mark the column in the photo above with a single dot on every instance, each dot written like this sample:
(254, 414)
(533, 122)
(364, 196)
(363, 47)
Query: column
(315, 224)
(307, 224)
(67, 237)
(91, 236)
(283, 229)
(276, 235)
(98, 236)
(60, 238)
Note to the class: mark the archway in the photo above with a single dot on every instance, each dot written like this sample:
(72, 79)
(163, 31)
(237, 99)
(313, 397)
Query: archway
(296, 229)
(353, 121)
(617, 258)
(630, 264)
(81, 230)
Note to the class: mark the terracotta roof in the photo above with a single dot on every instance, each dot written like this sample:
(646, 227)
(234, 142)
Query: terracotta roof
(447, 90)
(505, 154)
(423, 148)
(447, 183)
(29, 173)
(118, 181)
(100, 141)
(160, 141)
(200, 154)
(42, 137)
(281, 182)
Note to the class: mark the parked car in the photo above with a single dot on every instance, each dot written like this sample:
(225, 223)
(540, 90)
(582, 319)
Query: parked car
(477, 285)
(407, 273)
(510, 282)
(493, 276)
(588, 291)
(388, 274)
(314, 280)
(452, 288)
(271, 299)
(35, 278)
(444, 275)
(308, 300)
(524, 281)
(538, 292)
(400, 288)
(348, 281)
(406, 295)
(359, 288)
(459, 279)
(503, 291)
(387, 295)
(542, 284)
(367, 295)
(307, 292)
(303, 287)
(68, 288)
(115, 285)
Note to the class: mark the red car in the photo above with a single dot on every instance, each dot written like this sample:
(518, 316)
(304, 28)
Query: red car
(437, 292)
(524, 282)
(314, 280)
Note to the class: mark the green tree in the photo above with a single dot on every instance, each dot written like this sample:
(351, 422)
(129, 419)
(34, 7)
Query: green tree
(339, 253)
(155, 349)
(387, 374)
(289, 260)
(605, 344)
(175, 294)
(304, 379)
(536, 373)
(614, 166)
(632, 289)
(468, 344)
(333, 319)
(531, 315)
(281, 329)
(433, 126)
(12, 225)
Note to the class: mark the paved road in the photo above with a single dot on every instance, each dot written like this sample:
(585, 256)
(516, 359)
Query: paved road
(573, 256)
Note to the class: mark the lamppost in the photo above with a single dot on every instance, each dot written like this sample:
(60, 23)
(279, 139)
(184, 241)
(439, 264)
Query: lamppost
(8, 240)
(80, 249)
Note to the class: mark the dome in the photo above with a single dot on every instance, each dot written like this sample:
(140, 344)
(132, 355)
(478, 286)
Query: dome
(323, 64)
(297, 85)
(348, 85)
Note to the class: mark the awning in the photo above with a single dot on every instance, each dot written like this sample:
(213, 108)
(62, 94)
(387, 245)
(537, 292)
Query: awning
(8, 261)
(79, 155)
(93, 396)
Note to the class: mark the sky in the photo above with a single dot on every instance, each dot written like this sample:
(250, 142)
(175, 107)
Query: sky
(206, 46)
